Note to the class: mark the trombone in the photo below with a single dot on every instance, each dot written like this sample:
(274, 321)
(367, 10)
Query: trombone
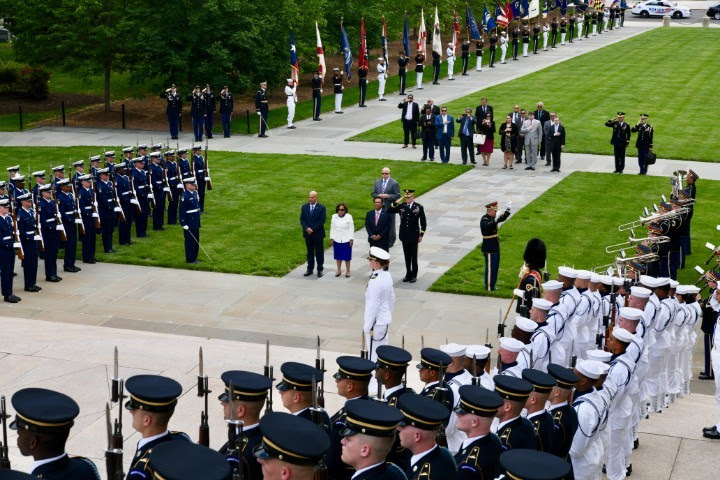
(655, 217)
(634, 241)
(644, 258)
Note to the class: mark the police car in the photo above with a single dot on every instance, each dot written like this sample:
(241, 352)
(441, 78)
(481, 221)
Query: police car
(660, 9)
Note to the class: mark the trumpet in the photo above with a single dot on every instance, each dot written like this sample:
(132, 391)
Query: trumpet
(655, 217)
(634, 241)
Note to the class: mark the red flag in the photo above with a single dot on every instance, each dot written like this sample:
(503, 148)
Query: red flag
(363, 54)
(508, 12)
(456, 30)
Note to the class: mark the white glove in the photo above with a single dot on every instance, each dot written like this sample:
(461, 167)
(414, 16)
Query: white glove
(185, 227)
(17, 245)
(259, 114)
(508, 206)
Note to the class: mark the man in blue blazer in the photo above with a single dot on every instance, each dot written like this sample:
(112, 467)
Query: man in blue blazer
(312, 220)
(377, 226)
(445, 131)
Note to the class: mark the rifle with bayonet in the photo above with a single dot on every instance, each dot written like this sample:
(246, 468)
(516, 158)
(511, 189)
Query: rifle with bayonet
(473, 370)
(268, 372)
(501, 325)
(320, 365)
(441, 396)
(235, 437)
(4, 455)
(114, 452)
(202, 391)
(363, 349)
(488, 345)
(208, 182)
(316, 412)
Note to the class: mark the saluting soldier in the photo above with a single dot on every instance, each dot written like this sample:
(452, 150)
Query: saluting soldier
(412, 228)
(43, 421)
(261, 107)
(295, 389)
(317, 90)
(86, 201)
(175, 184)
(7, 252)
(173, 110)
(540, 418)
(338, 88)
(157, 188)
(151, 405)
(28, 239)
(643, 141)
(513, 430)
(226, 110)
(66, 205)
(465, 55)
(249, 391)
(198, 110)
(403, 62)
(124, 193)
(491, 245)
(479, 454)
(200, 174)
(140, 185)
(209, 110)
(620, 139)
(534, 257)
(190, 219)
(564, 415)
(48, 227)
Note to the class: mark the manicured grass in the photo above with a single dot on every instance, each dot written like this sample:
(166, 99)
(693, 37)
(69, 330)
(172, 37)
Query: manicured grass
(652, 73)
(577, 219)
(252, 224)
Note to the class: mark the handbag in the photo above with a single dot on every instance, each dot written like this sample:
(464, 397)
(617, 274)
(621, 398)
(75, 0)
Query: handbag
(479, 138)
(650, 158)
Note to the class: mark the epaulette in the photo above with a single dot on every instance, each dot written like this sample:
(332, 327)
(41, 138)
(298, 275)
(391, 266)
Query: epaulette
(449, 455)
(180, 436)
(398, 470)
(90, 463)
(374, 275)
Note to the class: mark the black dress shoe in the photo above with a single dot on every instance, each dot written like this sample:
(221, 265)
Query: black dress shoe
(110, 251)
(33, 289)
(11, 299)
(54, 279)
(712, 435)
(91, 261)
(406, 279)
(628, 471)
(319, 274)
(307, 273)
(704, 376)
(263, 136)
(72, 269)
(413, 280)
(710, 429)
(636, 443)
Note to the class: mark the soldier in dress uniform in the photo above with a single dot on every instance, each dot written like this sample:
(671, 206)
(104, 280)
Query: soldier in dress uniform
(198, 110)
(7, 252)
(152, 401)
(493, 45)
(140, 185)
(431, 362)
(540, 418)
(403, 62)
(525, 464)
(190, 219)
(142, 154)
(352, 379)
(535, 257)
(291, 447)
(338, 88)
(173, 110)
(12, 172)
(620, 139)
(412, 228)
(295, 389)
(525, 39)
(157, 187)
(317, 90)
(290, 101)
(172, 170)
(536, 38)
(643, 141)
(184, 164)
(43, 421)
(479, 44)
(546, 34)
(58, 174)
(28, 239)
(479, 454)
(362, 84)
(66, 205)
(571, 27)
(503, 46)
(379, 302)
(465, 55)
(17, 189)
(79, 171)
(261, 107)
(209, 110)
(106, 208)
(563, 413)
(586, 23)
(94, 167)
(39, 177)
(491, 245)
(249, 391)
(419, 67)
(553, 32)
(513, 430)
(48, 227)
(226, 110)
(200, 174)
(188, 460)
(382, 78)
(368, 436)
(563, 30)
(418, 430)
(450, 53)
(86, 201)
(124, 193)
(515, 35)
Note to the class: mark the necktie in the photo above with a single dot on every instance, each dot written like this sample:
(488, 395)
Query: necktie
(384, 185)
(312, 209)
(377, 217)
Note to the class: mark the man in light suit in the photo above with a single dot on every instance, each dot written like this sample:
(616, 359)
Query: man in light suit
(445, 131)
(377, 226)
(312, 220)
(532, 129)
(388, 190)
(556, 142)
(543, 117)
(467, 128)
(409, 118)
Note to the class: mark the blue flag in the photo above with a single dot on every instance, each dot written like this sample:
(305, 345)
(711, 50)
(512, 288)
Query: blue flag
(406, 38)
(525, 12)
(563, 7)
(347, 54)
(488, 21)
(472, 24)
(516, 6)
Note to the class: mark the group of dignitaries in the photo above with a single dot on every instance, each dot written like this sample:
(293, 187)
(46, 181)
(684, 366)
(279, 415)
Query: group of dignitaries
(203, 105)
(58, 211)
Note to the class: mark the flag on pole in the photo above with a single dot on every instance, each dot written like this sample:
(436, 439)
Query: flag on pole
(422, 34)
(363, 60)
(525, 9)
(563, 7)
(501, 16)
(321, 55)
(508, 12)
(384, 43)
(515, 8)
(471, 24)
(437, 42)
(456, 30)
(534, 8)
(488, 21)
(345, 48)
(545, 8)
(294, 63)
(406, 37)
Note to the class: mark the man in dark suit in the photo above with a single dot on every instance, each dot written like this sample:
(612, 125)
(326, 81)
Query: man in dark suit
(409, 119)
(427, 131)
(483, 109)
(377, 226)
(556, 142)
(412, 229)
(444, 131)
(543, 117)
(467, 128)
(619, 140)
(388, 190)
(521, 137)
(312, 220)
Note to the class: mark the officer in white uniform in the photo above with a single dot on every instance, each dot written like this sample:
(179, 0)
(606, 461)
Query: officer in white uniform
(586, 451)
(583, 314)
(291, 96)
(713, 432)
(525, 359)
(450, 52)
(382, 78)
(544, 337)
(503, 46)
(556, 319)
(455, 377)
(379, 302)
(546, 33)
(569, 299)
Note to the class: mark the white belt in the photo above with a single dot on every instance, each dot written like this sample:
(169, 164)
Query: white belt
(125, 193)
(31, 232)
(50, 220)
(199, 171)
(70, 213)
(193, 211)
(172, 178)
(141, 186)
(159, 183)
(6, 238)
(87, 208)
(110, 201)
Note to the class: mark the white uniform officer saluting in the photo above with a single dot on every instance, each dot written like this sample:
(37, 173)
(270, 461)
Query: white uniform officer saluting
(379, 302)
(291, 96)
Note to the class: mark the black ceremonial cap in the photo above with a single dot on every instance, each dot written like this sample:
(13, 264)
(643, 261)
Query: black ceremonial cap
(298, 376)
(179, 460)
(422, 412)
(153, 393)
(371, 417)
(433, 358)
(392, 357)
(535, 253)
(354, 368)
(248, 386)
(291, 439)
(524, 464)
(512, 388)
(565, 377)
(541, 381)
(478, 400)
(15, 475)
(42, 410)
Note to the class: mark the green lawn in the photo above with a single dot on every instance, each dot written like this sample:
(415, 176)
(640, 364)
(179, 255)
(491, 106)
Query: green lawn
(652, 73)
(577, 219)
(252, 224)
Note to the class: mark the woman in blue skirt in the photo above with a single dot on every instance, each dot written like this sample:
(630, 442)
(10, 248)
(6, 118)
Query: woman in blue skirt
(341, 237)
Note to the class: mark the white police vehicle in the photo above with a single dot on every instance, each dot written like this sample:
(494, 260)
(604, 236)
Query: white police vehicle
(659, 8)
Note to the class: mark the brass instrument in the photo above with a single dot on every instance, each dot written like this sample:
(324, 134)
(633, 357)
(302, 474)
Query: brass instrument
(644, 258)
(655, 217)
(677, 180)
(634, 241)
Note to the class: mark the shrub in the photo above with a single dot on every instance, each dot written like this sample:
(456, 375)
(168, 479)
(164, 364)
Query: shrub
(25, 80)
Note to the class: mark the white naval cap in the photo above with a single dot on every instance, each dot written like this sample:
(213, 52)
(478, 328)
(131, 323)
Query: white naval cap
(662, 281)
(480, 352)
(632, 314)
(674, 283)
(622, 335)
(567, 272)
(525, 324)
(377, 253)
(511, 344)
(590, 368)
(640, 292)
(693, 289)
(595, 278)
(649, 281)
(605, 368)
(599, 355)
(552, 285)
(618, 281)
(542, 304)
(606, 279)
(584, 274)
(453, 349)
(682, 289)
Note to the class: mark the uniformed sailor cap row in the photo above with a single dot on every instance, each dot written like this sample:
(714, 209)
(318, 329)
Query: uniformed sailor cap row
(674, 283)
(680, 289)
(119, 166)
(59, 168)
(523, 464)
(478, 400)
(584, 274)
(565, 377)
(79, 163)
(691, 290)
(542, 304)
(590, 368)
(45, 188)
(354, 368)
(453, 349)
(599, 355)
(153, 393)
(422, 412)
(170, 153)
(541, 381)
(63, 181)
(512, 388)
(13, 168)
(142, 147)
(392, 357)
(648, 281)
(189, 180)
(298, 376)
(138, 160)
(370, 417)
(511, 344)
(377, 253)
(662, 281)
(103, 171)
(247, 386)
(40, 173)
(433, 358)
(291, 439)
(18, 178)
(567, 272)
(525, 324)
(595, 278)
(180, 460)
(622, 335)
(479, 352)
(157, 145)
(85, 178)
(155, 155)
(110, 153)
(43, 410)
(127, 150)
(618, 282)
(552, 285)
(640, 292)
(4, 202)
(25, 196)
(95, 158)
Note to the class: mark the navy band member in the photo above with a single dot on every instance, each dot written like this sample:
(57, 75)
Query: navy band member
(200, 174)
(187, 460)
(479, 453)
(140, 185)
(490, 245)
(422, 419)
(291, 447)
(249, 393)
(124, 193)
(368, 438)
(431, 362)
(106, 208)
(261, 107)
(540, 418)
(412, 228)
(157, 188)
(176, 186)
(152, 403)
(535, 256)
(49, 229)
(226, 110)
(86, 201)
(173, 110)
(66, 205)
(563, 413)
(29, 241)
(513, 430)
(296, 390)
(43, 421)
(209, 110)
(7, 252)
(190, 220)
(198, 110)
(522, 464)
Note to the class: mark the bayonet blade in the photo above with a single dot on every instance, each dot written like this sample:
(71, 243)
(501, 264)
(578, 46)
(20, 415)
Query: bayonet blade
(116, 365)
(231, 402)
(108, 424)
(200, 363)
